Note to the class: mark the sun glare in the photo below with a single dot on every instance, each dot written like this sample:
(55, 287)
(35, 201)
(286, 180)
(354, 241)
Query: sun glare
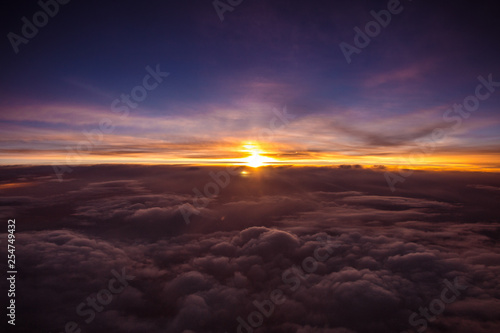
(256, 159)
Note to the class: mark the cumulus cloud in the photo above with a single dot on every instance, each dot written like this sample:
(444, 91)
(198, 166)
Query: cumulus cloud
(388, 255)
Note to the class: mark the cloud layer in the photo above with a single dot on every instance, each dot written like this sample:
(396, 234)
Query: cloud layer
(387, 254)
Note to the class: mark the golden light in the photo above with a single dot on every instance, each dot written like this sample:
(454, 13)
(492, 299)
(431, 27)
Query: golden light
(256, 159)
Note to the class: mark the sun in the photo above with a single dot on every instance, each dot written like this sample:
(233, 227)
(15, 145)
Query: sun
(256, 159)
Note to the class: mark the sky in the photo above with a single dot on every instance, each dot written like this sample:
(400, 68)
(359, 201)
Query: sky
(217, 166)
(271, 75)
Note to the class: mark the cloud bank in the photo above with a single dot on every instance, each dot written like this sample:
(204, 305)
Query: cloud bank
(387, 255)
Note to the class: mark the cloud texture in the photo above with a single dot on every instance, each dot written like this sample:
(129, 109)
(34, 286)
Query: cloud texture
(388, 253)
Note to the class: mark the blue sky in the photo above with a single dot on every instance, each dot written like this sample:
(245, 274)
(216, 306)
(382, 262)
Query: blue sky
(227, 76)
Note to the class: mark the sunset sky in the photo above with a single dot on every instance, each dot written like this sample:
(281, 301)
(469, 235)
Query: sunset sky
(229, 79)
(220, 166)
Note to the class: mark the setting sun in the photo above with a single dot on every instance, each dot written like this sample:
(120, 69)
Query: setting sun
(256, 159)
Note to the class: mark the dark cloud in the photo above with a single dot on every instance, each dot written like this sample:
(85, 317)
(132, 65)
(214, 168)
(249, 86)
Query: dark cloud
(389, 253)
(485, 187)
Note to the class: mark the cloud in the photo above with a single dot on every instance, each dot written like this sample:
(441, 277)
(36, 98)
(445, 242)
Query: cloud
(392, 254)
(485, 187)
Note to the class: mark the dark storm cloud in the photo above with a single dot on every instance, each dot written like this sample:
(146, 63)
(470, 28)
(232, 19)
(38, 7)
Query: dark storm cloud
(392, 254)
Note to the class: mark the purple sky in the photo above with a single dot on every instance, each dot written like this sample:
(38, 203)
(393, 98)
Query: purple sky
(226, 77)
(243, 166)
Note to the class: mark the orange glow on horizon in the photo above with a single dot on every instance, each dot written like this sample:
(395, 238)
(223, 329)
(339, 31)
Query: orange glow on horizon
(7, 186)
(257, 155)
